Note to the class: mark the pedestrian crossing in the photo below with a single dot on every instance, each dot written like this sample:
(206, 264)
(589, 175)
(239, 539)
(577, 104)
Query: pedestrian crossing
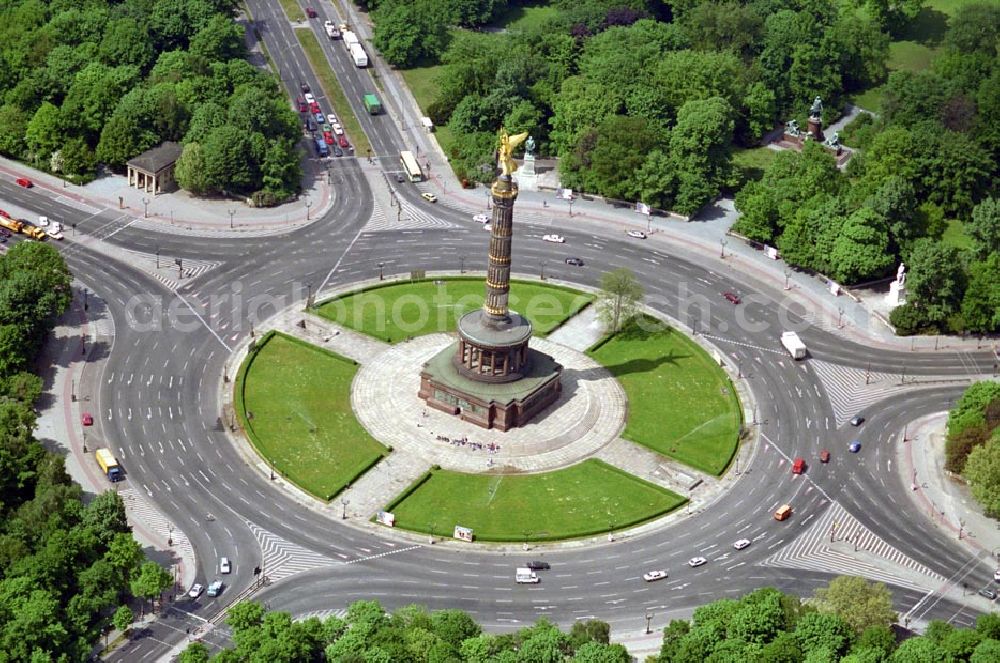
(141, 510)
(165, 268)
(405, 216)
(323, 615)
(851, 552)
(283, 559)
(851, 390)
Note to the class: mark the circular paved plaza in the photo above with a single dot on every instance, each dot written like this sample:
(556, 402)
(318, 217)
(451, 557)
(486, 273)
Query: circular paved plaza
(589, 413)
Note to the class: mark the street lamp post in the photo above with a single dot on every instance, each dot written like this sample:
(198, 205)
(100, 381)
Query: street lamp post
(157, 257)
(722, 247)
(381, 267)
(541, 271)
(649, 618)
(840, 317)
(309, 294)
(787, 274)
(232, 213)
(461, 264)
(308, 205)
(571, 206)
(343, 504)
(145, 208)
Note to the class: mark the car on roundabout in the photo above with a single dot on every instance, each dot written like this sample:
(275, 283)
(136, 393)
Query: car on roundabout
(558, 239)
(196, 590)
(857, 420)
(988, 593)
(538, 566)
(731, 297)
(481, 218)
(429, 197)
(225, 566)
(638, 234)
(824, 456)
(575, 262)
(855, 446)
(650, 576)
(215, 588)
(697, 561)
(741, 544)
(996, 576)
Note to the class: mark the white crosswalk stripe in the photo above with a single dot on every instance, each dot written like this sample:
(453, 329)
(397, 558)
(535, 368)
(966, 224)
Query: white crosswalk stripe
(139, 509)
(283, 558)
(851, 390)
(408, 217)
(742, 344)
(812, 550)
(322, 615)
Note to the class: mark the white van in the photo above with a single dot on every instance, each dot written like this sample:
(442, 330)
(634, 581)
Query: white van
(524, 575)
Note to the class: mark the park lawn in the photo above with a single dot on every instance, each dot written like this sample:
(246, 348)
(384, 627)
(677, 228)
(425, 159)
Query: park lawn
(581, 500)
(910, 56)
(955, 235)
(680, 403)
(530, 13)
(300, 399)
(752, 162)
(870, 99)
(405, 309)
(333, 90)
(292, 10)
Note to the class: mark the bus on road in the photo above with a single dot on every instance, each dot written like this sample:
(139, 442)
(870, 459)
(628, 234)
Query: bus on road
(410, 166)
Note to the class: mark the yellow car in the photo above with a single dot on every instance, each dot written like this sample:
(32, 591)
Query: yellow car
(429, 197)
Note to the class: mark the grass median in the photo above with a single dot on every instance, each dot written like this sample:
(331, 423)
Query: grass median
(396, 311)
(681, 404)
(292, 10)
(332, 88)
(589, 498)
(294, 401)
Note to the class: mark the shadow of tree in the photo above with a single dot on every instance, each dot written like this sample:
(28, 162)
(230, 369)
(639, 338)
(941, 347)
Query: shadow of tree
(928, 28)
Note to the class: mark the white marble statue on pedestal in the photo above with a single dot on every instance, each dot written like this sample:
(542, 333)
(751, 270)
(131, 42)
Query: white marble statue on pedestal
(897, 289)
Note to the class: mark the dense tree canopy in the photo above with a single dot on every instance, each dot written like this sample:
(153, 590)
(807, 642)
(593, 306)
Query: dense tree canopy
(100, 82)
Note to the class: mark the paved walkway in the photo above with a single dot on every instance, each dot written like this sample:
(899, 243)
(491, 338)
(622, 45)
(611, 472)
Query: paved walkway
(581, 331)
(946, 501)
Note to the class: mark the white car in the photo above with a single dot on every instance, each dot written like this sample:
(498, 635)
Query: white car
(337, 129)
(225, 566)
(487, 227)
(558, 239)
(481, 218)
(196, 590)
(55, 232)
(996, 576)
(331, 118)
(429, 197)
(650, 576)
(309, 98)
(638, 234)
(696, 561)
(741, 544)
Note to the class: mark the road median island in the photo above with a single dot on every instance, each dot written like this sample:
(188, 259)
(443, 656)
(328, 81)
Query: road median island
(681, 403)
(333, 90)
(395, 311)
(292, 10)
(294, 402)
(582, 500)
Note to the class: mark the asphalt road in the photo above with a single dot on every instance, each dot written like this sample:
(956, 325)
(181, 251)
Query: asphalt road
(158, 407)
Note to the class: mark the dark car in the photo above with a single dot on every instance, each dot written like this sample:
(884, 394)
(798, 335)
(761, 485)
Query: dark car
(310, 12)
(4, 232)
(304, 87)
(731, 297)
(855, 446)
(576, 262)
(337, 152)
(538, 566)
(857, 420)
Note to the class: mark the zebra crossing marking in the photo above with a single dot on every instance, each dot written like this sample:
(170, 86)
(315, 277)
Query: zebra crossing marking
(812, 551)
(138, 508)
(283, 559)
(380, 555)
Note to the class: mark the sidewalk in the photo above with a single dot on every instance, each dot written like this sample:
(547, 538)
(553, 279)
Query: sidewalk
(947, 503)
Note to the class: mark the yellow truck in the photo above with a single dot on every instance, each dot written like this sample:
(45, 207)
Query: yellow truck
(109, 465)
(34, 232)
(12, 225)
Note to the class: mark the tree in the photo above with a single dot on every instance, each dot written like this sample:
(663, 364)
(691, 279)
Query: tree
(619, 151)
(598, 652)
(44, 132)
(818, 631)
(228, 160)
(861, 250)
(935, 279)
(619, 298)
(126, 42)
(975, 28)
(123, 618)
(761, 107)
(454, 626)
(984, 227)
(982, 470)
(151, 581)
(220, 38)
(918, 650)
(196, 652)
(981, 303)
(859, 603)
(13, 127)
(406, 32)
(590, 630)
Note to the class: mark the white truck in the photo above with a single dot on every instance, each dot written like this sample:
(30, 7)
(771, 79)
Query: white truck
(794, 345)
(524, 575)
(349, 39)
(359, 56)
(331, 29)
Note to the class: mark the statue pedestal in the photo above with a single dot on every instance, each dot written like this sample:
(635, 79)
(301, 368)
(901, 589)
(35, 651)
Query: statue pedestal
(815, 129)
(527, 178)
(897, 294)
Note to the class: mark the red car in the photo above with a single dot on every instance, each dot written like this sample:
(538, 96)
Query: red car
(328, 137)
(342, 141)
(731, 297)
(824, 456)
(4, 214)
(799, 466)
(301, 103)
(88, 419)
(314, 107)
(25, 182)
(310, 12)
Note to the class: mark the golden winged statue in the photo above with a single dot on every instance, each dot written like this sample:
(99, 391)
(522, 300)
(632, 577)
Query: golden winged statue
(507, 145)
